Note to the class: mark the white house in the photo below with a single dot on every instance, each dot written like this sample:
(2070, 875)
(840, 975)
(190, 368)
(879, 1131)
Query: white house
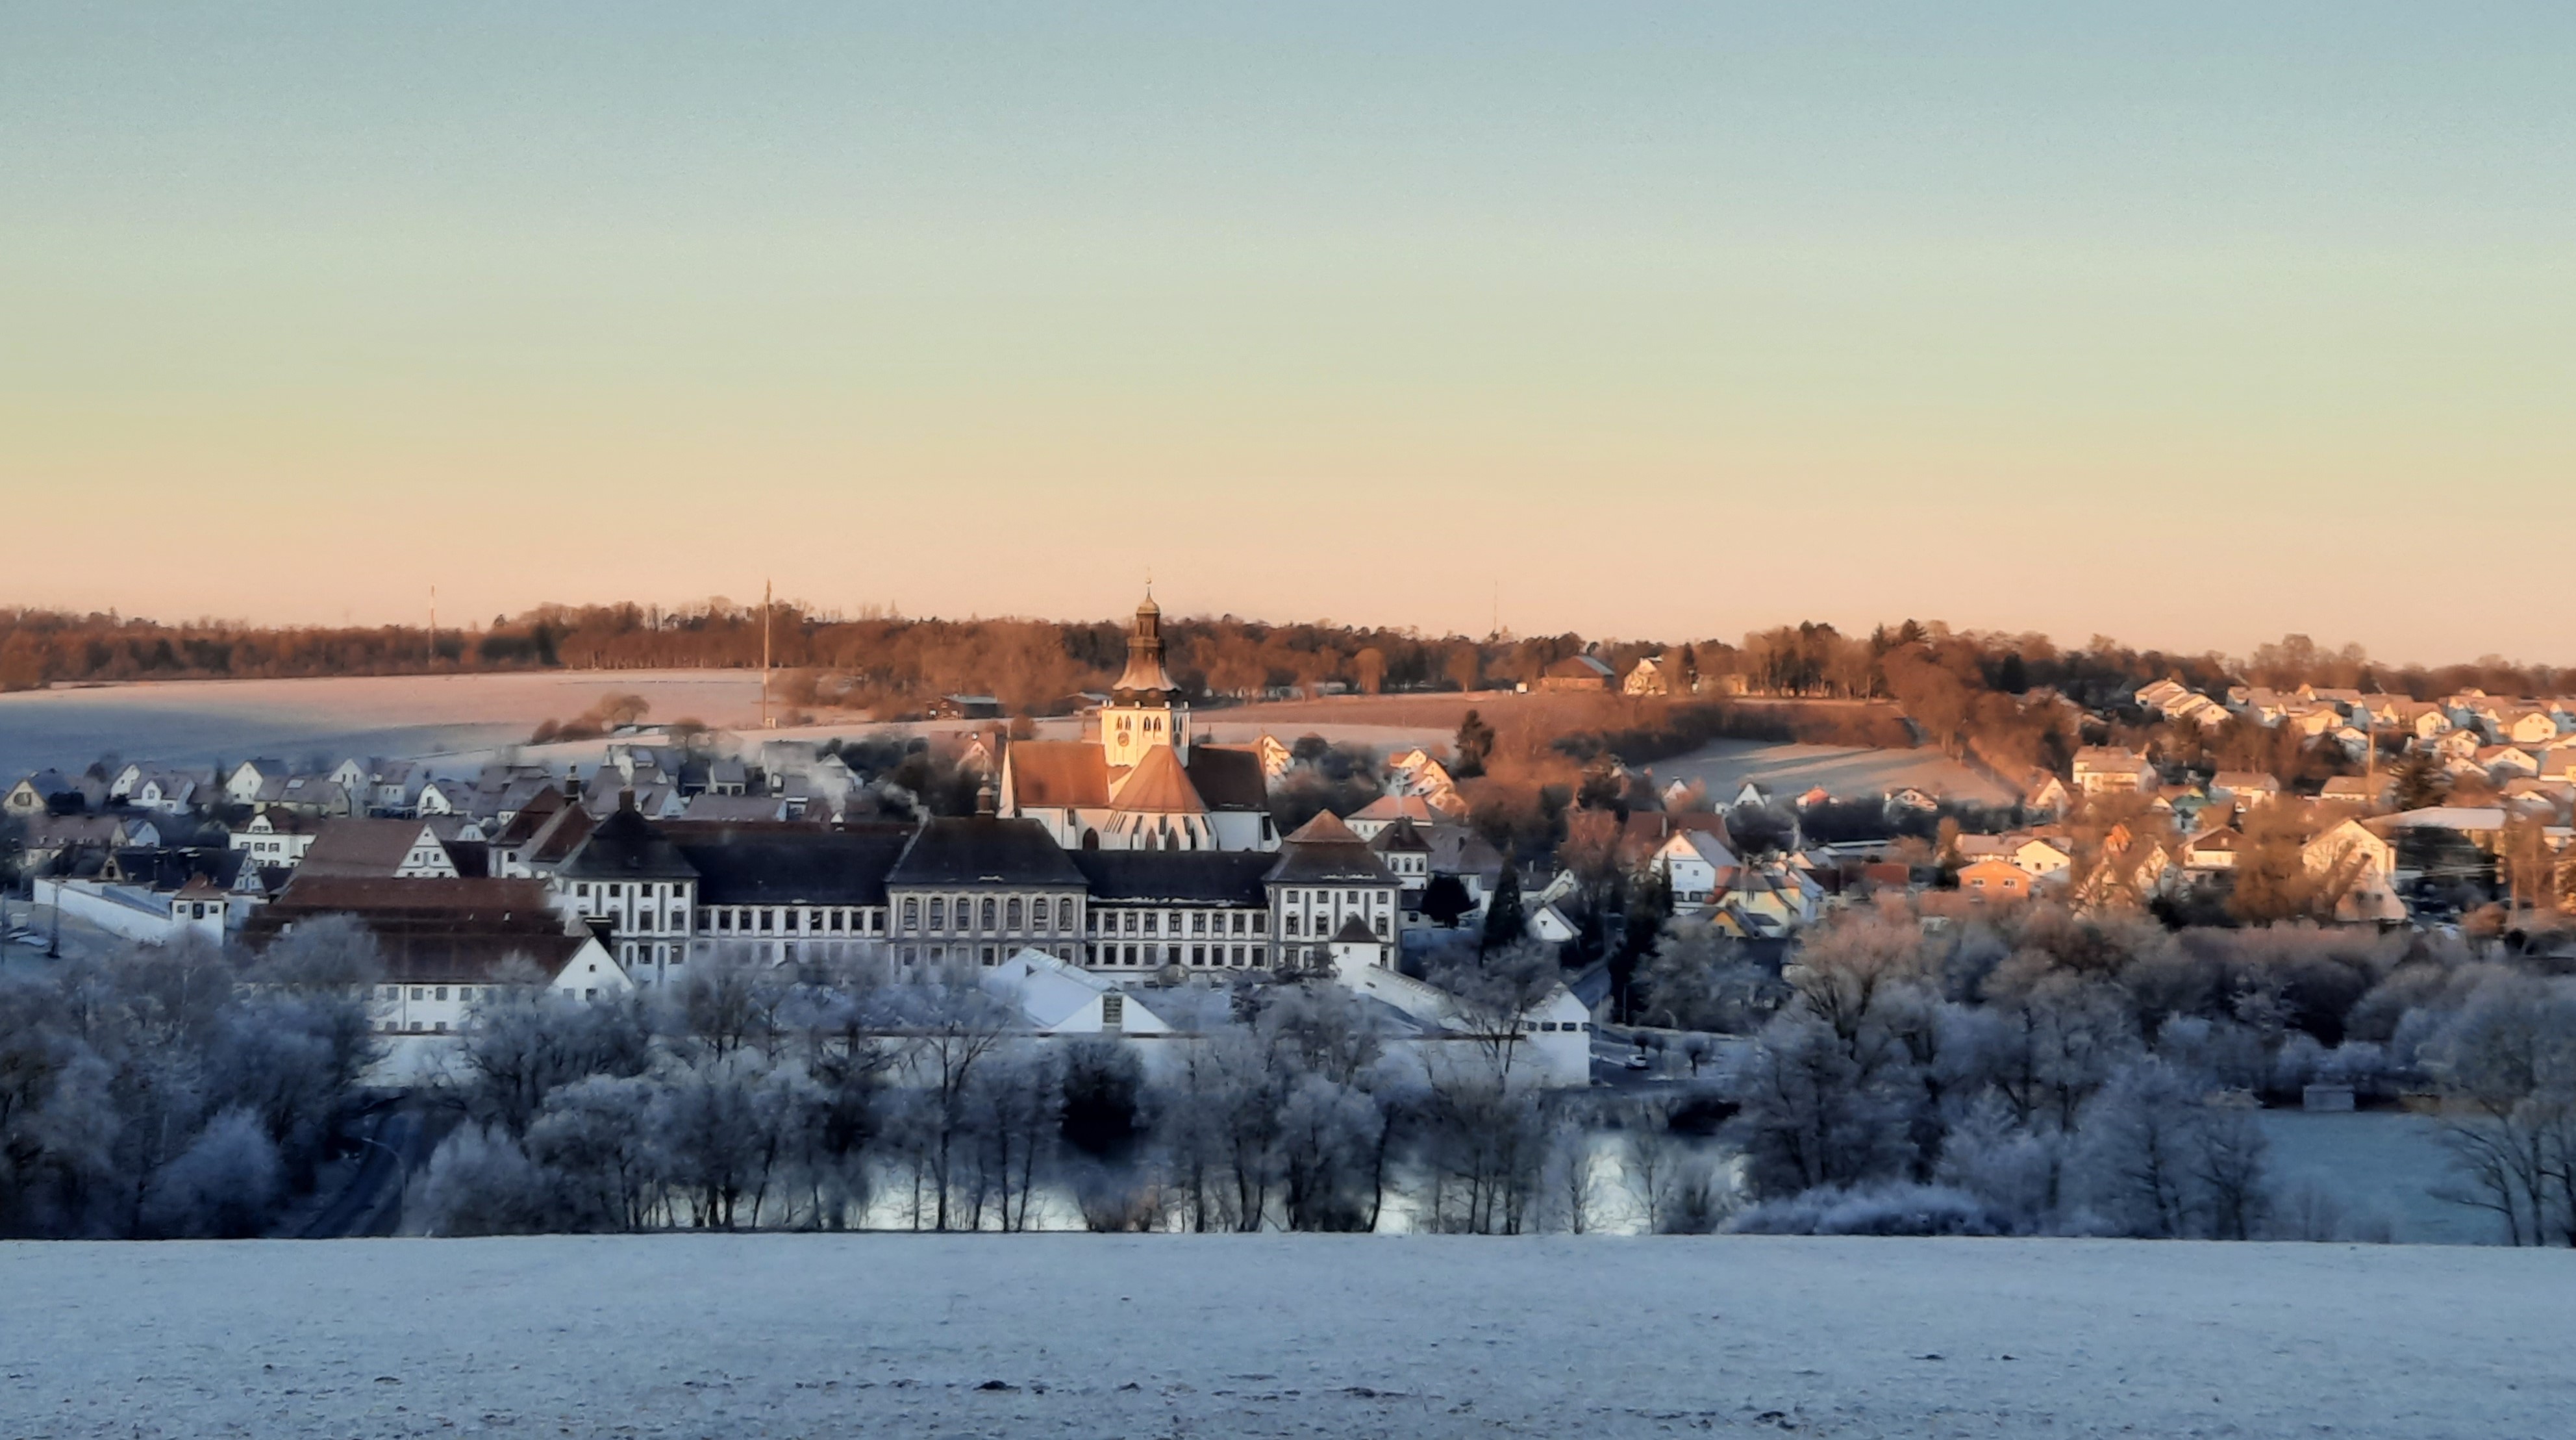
(242, 784)
(274, 837)
(2106, 769)
(1698, 866)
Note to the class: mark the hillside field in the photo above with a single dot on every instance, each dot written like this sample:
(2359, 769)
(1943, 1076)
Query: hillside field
(1278, 1335)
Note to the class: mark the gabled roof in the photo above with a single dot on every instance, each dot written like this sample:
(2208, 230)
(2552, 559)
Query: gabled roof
(1227, 778)
(1157, 785)
(1057, 774)
(1323, 851)
(1457, 850)
(1412, 808)
(1356, 932)
(524, 826)
(361, 848)
(1402, 835)
(626, 846)
(480, 958)
(562, 833)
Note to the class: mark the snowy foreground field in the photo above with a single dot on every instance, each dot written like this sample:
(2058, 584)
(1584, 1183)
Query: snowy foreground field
(1281, 1336)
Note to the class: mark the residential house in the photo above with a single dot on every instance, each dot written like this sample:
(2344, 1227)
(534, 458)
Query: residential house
(1994, 880)
(2245, 787)
(275, 838)
(175, 791)
(2112, 769)
(1647, 677)
(2363, 863)
(1578, 672)
(1423, 812)
(46, 791)
(2045, 858)
(2507, 762)
(2212, 852)
(377, 850)
(244, 781)
(2355, 790)
(1698, 866)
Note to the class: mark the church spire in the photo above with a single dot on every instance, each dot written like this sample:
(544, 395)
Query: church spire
(1145, 679)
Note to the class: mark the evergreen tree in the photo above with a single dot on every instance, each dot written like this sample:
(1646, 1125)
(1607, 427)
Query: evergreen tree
(1475, 743)
(2419, 781)
(2012, 677)
(1505, 922)
(1445, 901)
(1649, 905)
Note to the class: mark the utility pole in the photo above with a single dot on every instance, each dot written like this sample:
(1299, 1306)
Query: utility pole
(433, 624)
(766, 723)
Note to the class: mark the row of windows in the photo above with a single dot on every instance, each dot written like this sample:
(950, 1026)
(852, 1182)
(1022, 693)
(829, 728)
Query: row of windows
(989, 913)
(1160, 922)
(1156, 956)
(617, 889)
(792, 920)
(1325, 897)
(437, 992)
(1323, 926)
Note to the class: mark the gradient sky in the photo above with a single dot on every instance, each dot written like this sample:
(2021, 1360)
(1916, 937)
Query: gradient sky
(2188, 323)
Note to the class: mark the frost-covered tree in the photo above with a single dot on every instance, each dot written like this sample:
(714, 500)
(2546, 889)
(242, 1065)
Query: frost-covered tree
(521, 1043)
(479, 1181)
(223, 1186)
(597, 1135)
(1328, 1139)
(1814, 1114)
(2507, 1061)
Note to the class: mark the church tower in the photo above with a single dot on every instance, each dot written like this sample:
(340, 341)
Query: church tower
(1144, 709)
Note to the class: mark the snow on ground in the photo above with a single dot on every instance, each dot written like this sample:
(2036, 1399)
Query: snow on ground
(1846, 772)
(197, 721)
(1282, 1335)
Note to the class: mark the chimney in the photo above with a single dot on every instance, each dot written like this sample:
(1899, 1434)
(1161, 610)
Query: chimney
(987, 803)
(626, 799)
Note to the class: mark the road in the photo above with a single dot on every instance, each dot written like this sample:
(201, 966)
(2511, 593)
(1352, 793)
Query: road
(395, 1140)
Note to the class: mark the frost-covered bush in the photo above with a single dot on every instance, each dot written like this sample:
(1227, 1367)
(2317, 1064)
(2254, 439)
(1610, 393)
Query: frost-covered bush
(479, 1182)
(222, 1186)
(1899, 1208)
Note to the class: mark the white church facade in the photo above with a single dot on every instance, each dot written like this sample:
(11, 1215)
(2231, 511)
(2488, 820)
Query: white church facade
(1141, 782)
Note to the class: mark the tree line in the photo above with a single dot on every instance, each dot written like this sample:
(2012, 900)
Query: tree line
(2045, 1072)
(883, 660)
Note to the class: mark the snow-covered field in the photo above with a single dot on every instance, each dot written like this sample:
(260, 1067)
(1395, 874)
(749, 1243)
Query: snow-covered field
(1846, 772)
(463, 718)
(1282, 1335)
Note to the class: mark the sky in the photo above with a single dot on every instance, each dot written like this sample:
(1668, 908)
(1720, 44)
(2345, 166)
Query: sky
(2192, 324)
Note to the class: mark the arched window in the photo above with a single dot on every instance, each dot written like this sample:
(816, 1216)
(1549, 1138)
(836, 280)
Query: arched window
(912, 912)
(938, 913)
(1039, 911)
(988, 914)
(1012, 914)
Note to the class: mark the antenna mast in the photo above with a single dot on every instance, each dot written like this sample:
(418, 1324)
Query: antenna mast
(766, 723)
